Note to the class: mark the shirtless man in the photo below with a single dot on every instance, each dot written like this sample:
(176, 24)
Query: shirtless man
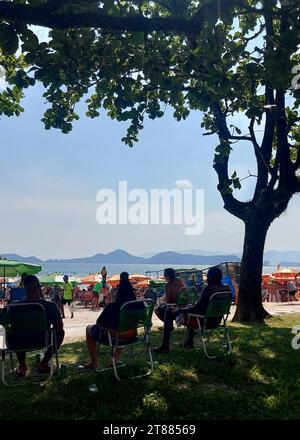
(165, 312)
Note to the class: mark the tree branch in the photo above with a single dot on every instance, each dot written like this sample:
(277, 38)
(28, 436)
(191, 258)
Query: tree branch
(46, 16)
(231, 205)
(40, 17)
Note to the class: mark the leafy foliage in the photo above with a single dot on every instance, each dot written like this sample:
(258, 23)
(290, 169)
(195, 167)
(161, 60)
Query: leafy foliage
(232, 60)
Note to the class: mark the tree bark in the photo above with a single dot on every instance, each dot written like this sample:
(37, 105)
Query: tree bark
(249, 306)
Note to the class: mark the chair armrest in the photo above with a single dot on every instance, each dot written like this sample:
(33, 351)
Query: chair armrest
(195, 315)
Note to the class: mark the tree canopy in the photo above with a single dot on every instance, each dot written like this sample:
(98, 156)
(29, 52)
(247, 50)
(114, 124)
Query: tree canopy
(229, 59)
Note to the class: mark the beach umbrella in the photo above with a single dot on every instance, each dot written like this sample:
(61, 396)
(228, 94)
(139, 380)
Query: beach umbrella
(113, 280)
(11, 268)
(73, 279)
(142, 284)
(91, 279)
(50, 280)
(138, 277)
(285, 274)
(55, 279)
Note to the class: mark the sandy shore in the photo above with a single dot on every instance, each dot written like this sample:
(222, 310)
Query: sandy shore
(75, 328)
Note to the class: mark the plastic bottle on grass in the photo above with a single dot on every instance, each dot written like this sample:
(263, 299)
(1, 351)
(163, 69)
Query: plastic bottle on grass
(93, 388)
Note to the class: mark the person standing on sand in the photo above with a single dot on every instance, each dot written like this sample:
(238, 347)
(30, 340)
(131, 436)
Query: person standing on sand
(67, 296)
(104, 275)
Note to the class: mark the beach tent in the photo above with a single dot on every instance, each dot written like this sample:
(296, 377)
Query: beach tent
(11, 268)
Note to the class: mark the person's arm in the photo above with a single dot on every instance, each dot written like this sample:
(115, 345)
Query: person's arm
(55, 318)
(109, 316)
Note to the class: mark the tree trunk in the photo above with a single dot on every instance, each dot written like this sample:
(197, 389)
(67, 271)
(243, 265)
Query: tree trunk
(249, 306)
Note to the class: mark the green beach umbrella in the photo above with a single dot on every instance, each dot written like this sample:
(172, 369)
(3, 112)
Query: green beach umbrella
(55, 279)
(50, 280)
(11, 268)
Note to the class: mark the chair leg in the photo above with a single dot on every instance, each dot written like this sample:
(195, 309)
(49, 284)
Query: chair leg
(229, 351)
(205, 349)
(151, 359)
(3, 368)
(185, 335)
(11, 357)
(3, 371)
(115, 367)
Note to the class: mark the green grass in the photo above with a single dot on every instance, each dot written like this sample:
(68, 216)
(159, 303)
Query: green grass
(260, 380)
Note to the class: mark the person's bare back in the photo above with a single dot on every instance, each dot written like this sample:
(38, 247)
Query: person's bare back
(172, 289)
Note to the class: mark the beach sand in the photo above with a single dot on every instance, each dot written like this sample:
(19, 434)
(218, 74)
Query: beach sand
(75, 328)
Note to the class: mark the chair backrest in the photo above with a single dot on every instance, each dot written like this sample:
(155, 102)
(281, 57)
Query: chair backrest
(218, 305)
(135, 314)
(187, 295)
(26, 326)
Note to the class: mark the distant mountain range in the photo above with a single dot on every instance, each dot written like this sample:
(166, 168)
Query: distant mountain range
(271, 258)
(122, 257)
(285, 258)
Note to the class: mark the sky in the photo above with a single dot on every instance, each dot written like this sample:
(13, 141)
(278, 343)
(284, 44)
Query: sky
(49, 183)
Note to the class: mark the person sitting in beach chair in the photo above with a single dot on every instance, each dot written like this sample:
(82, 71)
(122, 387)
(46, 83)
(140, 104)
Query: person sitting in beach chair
(291, 290)
(109, 319)
(165, 311)
(33, 295)
(214, 285)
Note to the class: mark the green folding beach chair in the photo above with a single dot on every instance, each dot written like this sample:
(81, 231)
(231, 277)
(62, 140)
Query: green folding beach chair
(186, 296)
(26, 330)
(218, 307)
(134, 315)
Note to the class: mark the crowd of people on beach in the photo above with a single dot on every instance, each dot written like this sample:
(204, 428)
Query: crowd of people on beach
(56, 298)
(108, 320)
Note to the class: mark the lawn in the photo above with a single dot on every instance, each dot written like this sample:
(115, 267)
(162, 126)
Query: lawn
(260, 380)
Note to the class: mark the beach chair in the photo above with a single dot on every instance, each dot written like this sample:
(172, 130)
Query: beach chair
(218, 307)
(26, 330)
(134, 315)
(186, 296)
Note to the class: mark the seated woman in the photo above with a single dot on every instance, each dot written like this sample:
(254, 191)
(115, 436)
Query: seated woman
(214, 285)
(109, 319)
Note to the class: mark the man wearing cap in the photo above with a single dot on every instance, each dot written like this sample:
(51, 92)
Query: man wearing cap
(67, 296)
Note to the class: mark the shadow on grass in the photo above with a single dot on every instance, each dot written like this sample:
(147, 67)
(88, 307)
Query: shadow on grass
(259, 380)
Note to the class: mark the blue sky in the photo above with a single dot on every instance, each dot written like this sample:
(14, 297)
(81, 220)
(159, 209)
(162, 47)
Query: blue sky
(49, 183)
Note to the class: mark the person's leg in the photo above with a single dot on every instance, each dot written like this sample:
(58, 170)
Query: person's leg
(43, 366)
(168, 328)
(71, 308)
(21, 370)
(63, 310)
(92, 347)
(160, 312)
(117, 354)
(189, 338)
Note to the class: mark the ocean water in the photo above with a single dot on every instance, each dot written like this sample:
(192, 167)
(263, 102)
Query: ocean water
(84, 268)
